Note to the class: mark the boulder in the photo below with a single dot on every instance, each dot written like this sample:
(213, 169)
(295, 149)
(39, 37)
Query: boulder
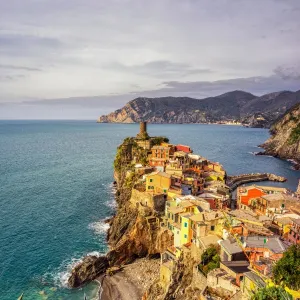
(87, 270)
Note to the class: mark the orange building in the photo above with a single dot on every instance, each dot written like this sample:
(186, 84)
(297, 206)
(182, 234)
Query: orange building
(161, 154)
(245, 194)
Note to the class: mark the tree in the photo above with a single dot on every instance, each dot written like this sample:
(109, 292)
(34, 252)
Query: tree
(271, 293)
(210, 259)
(287, 270)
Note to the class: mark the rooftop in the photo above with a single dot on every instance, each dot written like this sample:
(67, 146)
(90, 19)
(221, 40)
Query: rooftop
(255, 278)
(231, 246)
(163, 174)
(279, 196)
(296, 221)
(274, 244)
(236, 266)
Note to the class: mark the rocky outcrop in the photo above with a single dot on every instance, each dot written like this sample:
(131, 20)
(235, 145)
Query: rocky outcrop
(285, 137)
(236, 105)
(87, 270)
(134, 231)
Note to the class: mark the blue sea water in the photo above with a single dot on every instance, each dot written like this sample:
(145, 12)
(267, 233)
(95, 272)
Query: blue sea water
(55, 192)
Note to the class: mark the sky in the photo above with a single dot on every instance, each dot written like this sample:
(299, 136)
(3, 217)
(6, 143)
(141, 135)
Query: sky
(79, 59)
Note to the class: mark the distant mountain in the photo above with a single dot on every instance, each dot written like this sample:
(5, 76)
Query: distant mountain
(285, 136)
(237, 105)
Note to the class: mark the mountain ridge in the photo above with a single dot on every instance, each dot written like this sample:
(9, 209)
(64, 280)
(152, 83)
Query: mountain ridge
(235, 105)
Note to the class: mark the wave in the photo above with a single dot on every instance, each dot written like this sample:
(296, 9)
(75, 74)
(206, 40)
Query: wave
(253, 152)
(111, 190)
(99, 227)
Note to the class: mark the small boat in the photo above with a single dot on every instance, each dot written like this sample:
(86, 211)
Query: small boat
(21, 297)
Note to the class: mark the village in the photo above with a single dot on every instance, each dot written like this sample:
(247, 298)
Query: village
(192, 200)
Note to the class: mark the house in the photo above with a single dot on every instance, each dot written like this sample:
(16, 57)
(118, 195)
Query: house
(294, 233)
(231, 251)
(186, 233)
(184, 148)
(216, 200)
(272, 204)
(261, 251)
(223, 284)
(246, 193)
(158, 182)
(236, 269)
(251, 282)
(161, 154)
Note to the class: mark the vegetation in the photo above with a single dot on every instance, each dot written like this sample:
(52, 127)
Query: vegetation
(287, 270)
(159, 139)
(210, 259)
(295, 135)
(271, 293)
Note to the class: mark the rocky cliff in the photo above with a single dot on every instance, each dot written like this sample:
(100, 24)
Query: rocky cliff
(130, 235)
(285, 137)
(236, 105)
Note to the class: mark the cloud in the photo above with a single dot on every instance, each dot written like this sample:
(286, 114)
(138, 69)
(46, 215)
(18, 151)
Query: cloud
(12, 67)
(288, 72)
(158, 68)
(72, 50)
(11, 77)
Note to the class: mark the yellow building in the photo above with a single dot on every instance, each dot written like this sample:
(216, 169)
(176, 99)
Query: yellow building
(186, 233)
(158, 182)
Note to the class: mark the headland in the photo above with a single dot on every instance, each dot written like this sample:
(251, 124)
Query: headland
(174, 235)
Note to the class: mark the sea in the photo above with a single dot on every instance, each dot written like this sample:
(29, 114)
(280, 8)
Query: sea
(56, 191)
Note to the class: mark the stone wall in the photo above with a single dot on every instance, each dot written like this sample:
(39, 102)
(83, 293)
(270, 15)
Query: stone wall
(156, 202)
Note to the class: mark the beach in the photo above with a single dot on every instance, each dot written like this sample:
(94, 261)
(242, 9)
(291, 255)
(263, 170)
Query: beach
(132, 282)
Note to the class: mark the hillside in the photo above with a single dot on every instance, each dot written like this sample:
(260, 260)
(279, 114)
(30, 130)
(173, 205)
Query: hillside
(285, 139)
(236, 105)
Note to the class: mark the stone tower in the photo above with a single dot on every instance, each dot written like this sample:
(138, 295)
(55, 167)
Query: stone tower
(143, 134)
(143, 128)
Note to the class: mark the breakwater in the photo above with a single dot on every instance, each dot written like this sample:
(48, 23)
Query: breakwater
(234, 181)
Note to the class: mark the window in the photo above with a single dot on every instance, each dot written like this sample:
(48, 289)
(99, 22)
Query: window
(151, 180)
(212, 228)
(185, 224)
(185, 236)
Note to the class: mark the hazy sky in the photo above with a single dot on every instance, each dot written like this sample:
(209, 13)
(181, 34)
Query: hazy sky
(82, 58)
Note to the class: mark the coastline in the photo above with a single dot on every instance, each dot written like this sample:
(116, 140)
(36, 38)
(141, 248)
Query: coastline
(130, 283)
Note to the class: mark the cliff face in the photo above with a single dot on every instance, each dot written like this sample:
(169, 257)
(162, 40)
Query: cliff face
(130, 234)
(236, 105)
(285, 139)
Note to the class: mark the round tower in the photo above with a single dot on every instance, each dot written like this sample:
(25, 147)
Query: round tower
(143, 128)
(143, 134)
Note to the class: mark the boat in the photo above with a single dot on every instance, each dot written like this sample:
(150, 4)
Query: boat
(21, 297)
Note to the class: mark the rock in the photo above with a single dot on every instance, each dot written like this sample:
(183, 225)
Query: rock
(87, 270)
(285, 137)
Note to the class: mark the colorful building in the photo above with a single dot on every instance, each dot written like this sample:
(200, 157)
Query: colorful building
(158, 183)
(246, 194)
(160, 155)
(184, 148)
(294, 233)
